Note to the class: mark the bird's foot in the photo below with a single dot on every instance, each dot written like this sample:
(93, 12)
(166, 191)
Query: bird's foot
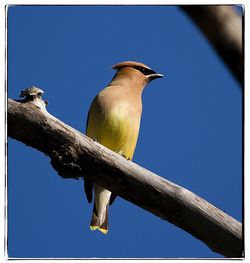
(127, 158)
(94, 139)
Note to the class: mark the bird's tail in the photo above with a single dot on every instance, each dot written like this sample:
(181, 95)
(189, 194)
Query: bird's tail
(96, 223)
(100, 211)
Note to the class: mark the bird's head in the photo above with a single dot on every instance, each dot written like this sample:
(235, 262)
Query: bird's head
(136, 71)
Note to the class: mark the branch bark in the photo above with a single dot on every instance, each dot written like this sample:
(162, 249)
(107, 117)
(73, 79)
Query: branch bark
(74, 155)
(223, 28)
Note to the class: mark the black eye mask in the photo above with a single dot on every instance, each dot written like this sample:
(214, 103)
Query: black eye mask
(145, 71)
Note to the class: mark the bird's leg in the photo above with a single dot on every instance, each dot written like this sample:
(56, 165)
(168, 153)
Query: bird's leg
(94, 139)
(127, 158)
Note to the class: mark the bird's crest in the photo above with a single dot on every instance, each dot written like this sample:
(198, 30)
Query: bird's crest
(130, 64)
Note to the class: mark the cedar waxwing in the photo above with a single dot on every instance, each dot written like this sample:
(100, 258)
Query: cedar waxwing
(114, 121)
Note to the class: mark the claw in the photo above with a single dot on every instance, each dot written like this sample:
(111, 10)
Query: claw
(127, 158)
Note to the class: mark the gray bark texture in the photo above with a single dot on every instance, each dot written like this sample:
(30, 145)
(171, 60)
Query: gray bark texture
(223, 27)
(74, 155)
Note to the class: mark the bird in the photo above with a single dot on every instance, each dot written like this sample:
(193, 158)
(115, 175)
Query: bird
(114, 121)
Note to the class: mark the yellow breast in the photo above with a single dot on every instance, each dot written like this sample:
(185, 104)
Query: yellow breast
(115, 127)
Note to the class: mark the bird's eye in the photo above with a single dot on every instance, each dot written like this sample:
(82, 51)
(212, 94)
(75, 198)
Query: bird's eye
(145, 71)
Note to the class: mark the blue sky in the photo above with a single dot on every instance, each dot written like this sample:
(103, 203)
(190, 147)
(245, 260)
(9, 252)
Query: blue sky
(191, 128)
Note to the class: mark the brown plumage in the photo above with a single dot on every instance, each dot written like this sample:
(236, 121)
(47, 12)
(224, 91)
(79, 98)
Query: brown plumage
(114, 121)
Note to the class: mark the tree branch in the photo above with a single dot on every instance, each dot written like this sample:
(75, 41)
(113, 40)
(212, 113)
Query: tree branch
(74, 155)
(223, 28)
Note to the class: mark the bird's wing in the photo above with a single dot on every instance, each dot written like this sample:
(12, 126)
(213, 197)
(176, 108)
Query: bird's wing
(88, 187)
(112, 198)
(88, 184)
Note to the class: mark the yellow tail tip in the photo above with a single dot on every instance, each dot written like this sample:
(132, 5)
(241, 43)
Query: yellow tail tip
(104, 231)
(93, 228)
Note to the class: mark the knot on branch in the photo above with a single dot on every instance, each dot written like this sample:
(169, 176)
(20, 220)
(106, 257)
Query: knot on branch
(33, 94)
(65, 166)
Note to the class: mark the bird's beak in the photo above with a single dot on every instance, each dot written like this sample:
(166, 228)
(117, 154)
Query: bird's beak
(154, 76)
